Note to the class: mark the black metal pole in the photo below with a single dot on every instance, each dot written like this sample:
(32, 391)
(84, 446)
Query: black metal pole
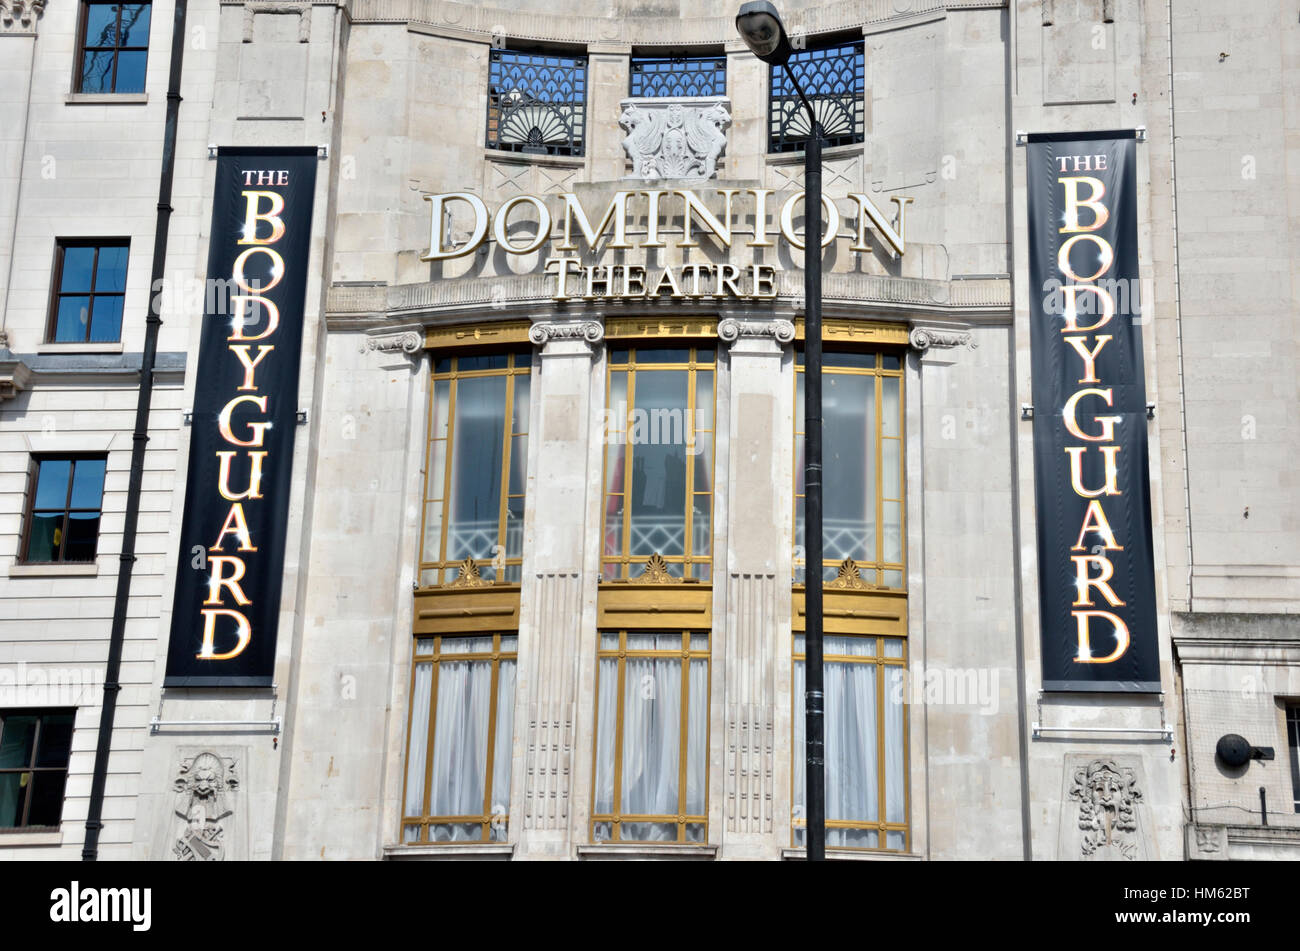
(813, 694)
(139, 438)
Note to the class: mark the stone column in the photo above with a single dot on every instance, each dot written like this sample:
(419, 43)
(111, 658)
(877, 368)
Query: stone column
(752, 593)
(558, 594)
(18, 23)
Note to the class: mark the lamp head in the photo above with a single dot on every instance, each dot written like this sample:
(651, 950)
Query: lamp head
(761, 28)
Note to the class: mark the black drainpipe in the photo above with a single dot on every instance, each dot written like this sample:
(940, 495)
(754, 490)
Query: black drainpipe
(90, 850)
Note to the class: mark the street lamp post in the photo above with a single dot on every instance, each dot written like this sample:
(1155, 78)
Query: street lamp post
(761, 28)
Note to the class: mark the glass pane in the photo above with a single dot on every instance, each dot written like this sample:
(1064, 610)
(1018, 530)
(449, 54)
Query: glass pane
(437, 469)
(130, 72)
(694, 832)
(895, 776)
(705, 356)
(110, 277)
(602, 832)
(893, 647)
(101, 24)
(893, 579)
(613, 525)
(703, 461)
(423, 645)
(849, 504)
(701, 533)
(852, 838)
(518, 464)
(522, 392)
(78, 265)
(856, 361)
(472, 527)
(489, 361)
(618, 354)
(895, 840)
(441, 403)
(697, 738)
(442, 365)
(509, 643)
(17, 736)
(891, 362)
(460, 738)
(515, 527)
(893, 532)
(88, 484)
(703, 399)
(662, 356)
(651, 736)
(419, 745)
(46, 534)
(410, 833)
(891, 469)
(106, 319)
(648, 832)
(83, 533)
(56, 740)
(135, 24)
(97, 71)
(699, 642)
(889, 410)
(467, 645)
(456, 832)
(658, 498)
(71, 320)
(617, 417)
(432, 531)
(608, 642)
(606, 723)
(52, 483)
(848, 646)
(501, 747)
(851, 741)
(13, 798)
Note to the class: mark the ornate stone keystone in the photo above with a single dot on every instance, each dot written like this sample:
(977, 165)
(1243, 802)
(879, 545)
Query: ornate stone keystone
(677, 137)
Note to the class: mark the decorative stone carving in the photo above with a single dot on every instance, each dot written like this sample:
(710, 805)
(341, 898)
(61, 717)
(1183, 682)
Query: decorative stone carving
(408, 342)
(204, 786)
(849, 577)
(1107, 12)
(15, 376)
(679, 138)
(545, 331)
(731, 329)
(923, 338)
(1108, 797)
(20, 16)
(468, 577)
(656, 572)
(262, 6)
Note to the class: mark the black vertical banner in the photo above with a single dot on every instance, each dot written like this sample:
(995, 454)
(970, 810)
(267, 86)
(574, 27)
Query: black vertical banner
(231, 561)
(1095, 566)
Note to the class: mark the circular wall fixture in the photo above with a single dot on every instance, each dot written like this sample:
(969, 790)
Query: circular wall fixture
(1233, 750)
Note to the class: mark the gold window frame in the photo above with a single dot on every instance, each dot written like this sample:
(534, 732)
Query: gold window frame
(624, 560)
(882, 664)
(518, 364)
(875, 568)
(681, 819)
(434, 658)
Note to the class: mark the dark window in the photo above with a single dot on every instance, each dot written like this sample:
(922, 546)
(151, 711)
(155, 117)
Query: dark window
(89, 287)
(832, 79)
(536, 103)
(34, 748)
(64, 508)
(1293, 740)
(114, 46)
(656, 77)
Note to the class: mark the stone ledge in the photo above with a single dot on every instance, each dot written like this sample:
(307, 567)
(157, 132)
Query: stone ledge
(853, 855)
(55, 570)
(106, 98)
(22, 839)
(641, 851)
(489, 851)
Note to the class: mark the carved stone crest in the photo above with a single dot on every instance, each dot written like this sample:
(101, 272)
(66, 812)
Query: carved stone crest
(1108, 797)
(468, 577)
(656, 572)
(680, 138)
(204, 785)
(848, 577)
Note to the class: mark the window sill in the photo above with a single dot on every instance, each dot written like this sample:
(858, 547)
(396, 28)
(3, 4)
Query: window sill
(19, 839)
(529, 158)
(55, 569)
(106, 98)
(485, 851)
(852, 855)
(79, 347)
(635, 851)
(828, 152)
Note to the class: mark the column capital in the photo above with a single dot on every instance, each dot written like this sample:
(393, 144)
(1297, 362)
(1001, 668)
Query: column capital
(585, 332)
(731, 329)
(931, 338)
(19, 17)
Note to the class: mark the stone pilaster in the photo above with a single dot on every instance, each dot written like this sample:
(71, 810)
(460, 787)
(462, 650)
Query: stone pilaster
(548, 804)
(750, 647)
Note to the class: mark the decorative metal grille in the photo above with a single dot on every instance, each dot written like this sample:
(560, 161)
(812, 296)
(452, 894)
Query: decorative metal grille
(537, 103)
(666, 76)
(832, 79)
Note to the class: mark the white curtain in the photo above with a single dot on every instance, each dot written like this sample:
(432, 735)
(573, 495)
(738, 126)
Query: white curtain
(501, 748)
(419, 745)
(460, 745)
(850, 742)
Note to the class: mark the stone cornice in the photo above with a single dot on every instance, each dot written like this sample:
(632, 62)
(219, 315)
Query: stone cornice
(352, 307)
(486, 22)
(19, 17)
(587, 331)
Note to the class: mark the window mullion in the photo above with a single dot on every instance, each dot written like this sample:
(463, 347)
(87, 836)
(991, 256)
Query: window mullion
(491, 738)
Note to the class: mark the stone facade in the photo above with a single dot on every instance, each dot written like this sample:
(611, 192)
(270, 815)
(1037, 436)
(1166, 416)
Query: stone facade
(395, 94)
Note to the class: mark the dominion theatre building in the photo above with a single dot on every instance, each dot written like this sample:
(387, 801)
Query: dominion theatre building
(401, 430)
